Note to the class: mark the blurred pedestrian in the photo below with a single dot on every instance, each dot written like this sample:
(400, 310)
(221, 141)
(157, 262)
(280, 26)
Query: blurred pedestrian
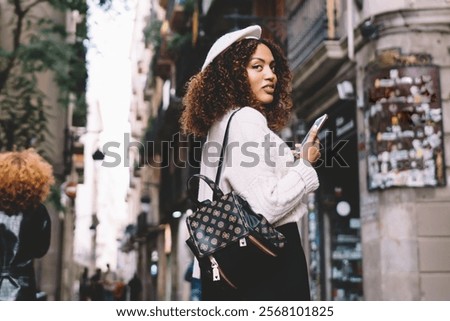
(25, 226)
(84, 292)
(109, 283)
(120, 290)
(196, 288)
(135, 288)
(96, 286)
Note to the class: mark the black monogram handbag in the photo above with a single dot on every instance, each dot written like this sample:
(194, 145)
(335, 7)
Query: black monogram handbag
(227, 237)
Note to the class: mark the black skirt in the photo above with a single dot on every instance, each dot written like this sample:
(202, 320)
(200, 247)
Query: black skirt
(286, 281)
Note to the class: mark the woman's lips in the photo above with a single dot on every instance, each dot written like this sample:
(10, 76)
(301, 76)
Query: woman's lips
(269, 89)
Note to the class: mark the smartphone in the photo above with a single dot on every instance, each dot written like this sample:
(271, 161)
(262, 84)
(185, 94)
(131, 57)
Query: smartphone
(319, 123)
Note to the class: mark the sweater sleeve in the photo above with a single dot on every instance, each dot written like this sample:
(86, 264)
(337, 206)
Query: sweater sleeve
(261, 168)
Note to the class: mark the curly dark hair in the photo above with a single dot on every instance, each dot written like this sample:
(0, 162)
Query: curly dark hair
(25, 180)
(224, 85)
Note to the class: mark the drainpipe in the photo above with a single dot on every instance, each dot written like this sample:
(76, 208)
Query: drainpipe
(350, 33)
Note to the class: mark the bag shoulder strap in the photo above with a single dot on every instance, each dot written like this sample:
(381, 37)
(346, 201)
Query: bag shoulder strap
(224, 145)
(217, 192)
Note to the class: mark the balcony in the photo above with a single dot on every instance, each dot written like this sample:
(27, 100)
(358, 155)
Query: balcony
(307, 30)
(314, 45)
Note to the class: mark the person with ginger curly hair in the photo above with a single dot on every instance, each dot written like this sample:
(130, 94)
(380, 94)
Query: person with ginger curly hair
(25, 226)
(248, 77)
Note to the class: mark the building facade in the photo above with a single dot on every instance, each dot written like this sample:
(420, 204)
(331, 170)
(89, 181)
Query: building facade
(64, 117)
(377, 228)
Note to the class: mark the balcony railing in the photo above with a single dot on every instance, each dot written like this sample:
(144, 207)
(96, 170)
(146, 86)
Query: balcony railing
(309, 24)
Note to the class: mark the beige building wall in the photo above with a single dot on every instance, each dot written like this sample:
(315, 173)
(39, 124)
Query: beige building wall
(51, 270)
(406, 231)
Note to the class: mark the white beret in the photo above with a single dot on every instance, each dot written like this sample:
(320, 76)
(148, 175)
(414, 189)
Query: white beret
(252, 32)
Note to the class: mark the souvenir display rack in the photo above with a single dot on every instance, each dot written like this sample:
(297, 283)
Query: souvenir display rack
(404, 135)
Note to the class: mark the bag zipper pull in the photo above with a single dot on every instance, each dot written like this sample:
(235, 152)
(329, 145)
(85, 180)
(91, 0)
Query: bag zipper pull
(215, 269)
(242, 242)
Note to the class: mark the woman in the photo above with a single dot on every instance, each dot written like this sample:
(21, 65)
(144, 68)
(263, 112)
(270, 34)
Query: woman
(243, 71)
(25, 180)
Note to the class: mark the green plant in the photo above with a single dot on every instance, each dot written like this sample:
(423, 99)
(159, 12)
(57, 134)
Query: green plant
(178, 43)
(152, 34)
(37, 46)
(189, 7)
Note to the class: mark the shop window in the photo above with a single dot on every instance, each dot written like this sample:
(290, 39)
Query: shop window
(334, 232)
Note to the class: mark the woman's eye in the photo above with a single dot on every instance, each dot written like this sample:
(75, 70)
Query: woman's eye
(257, 67)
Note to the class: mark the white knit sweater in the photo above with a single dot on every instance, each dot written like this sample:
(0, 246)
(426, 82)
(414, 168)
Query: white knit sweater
(259, 166)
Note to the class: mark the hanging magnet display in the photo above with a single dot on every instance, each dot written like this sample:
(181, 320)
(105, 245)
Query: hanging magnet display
(403, 123)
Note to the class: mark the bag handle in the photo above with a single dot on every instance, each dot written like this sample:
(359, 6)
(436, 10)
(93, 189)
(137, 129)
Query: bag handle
(217, 192)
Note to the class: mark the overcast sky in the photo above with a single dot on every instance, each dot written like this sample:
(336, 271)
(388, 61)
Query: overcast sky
(108, 96)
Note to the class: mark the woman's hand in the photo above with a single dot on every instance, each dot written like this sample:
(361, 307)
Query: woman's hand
(311, 150)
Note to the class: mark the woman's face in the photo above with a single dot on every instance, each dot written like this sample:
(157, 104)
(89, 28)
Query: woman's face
(261, 74)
